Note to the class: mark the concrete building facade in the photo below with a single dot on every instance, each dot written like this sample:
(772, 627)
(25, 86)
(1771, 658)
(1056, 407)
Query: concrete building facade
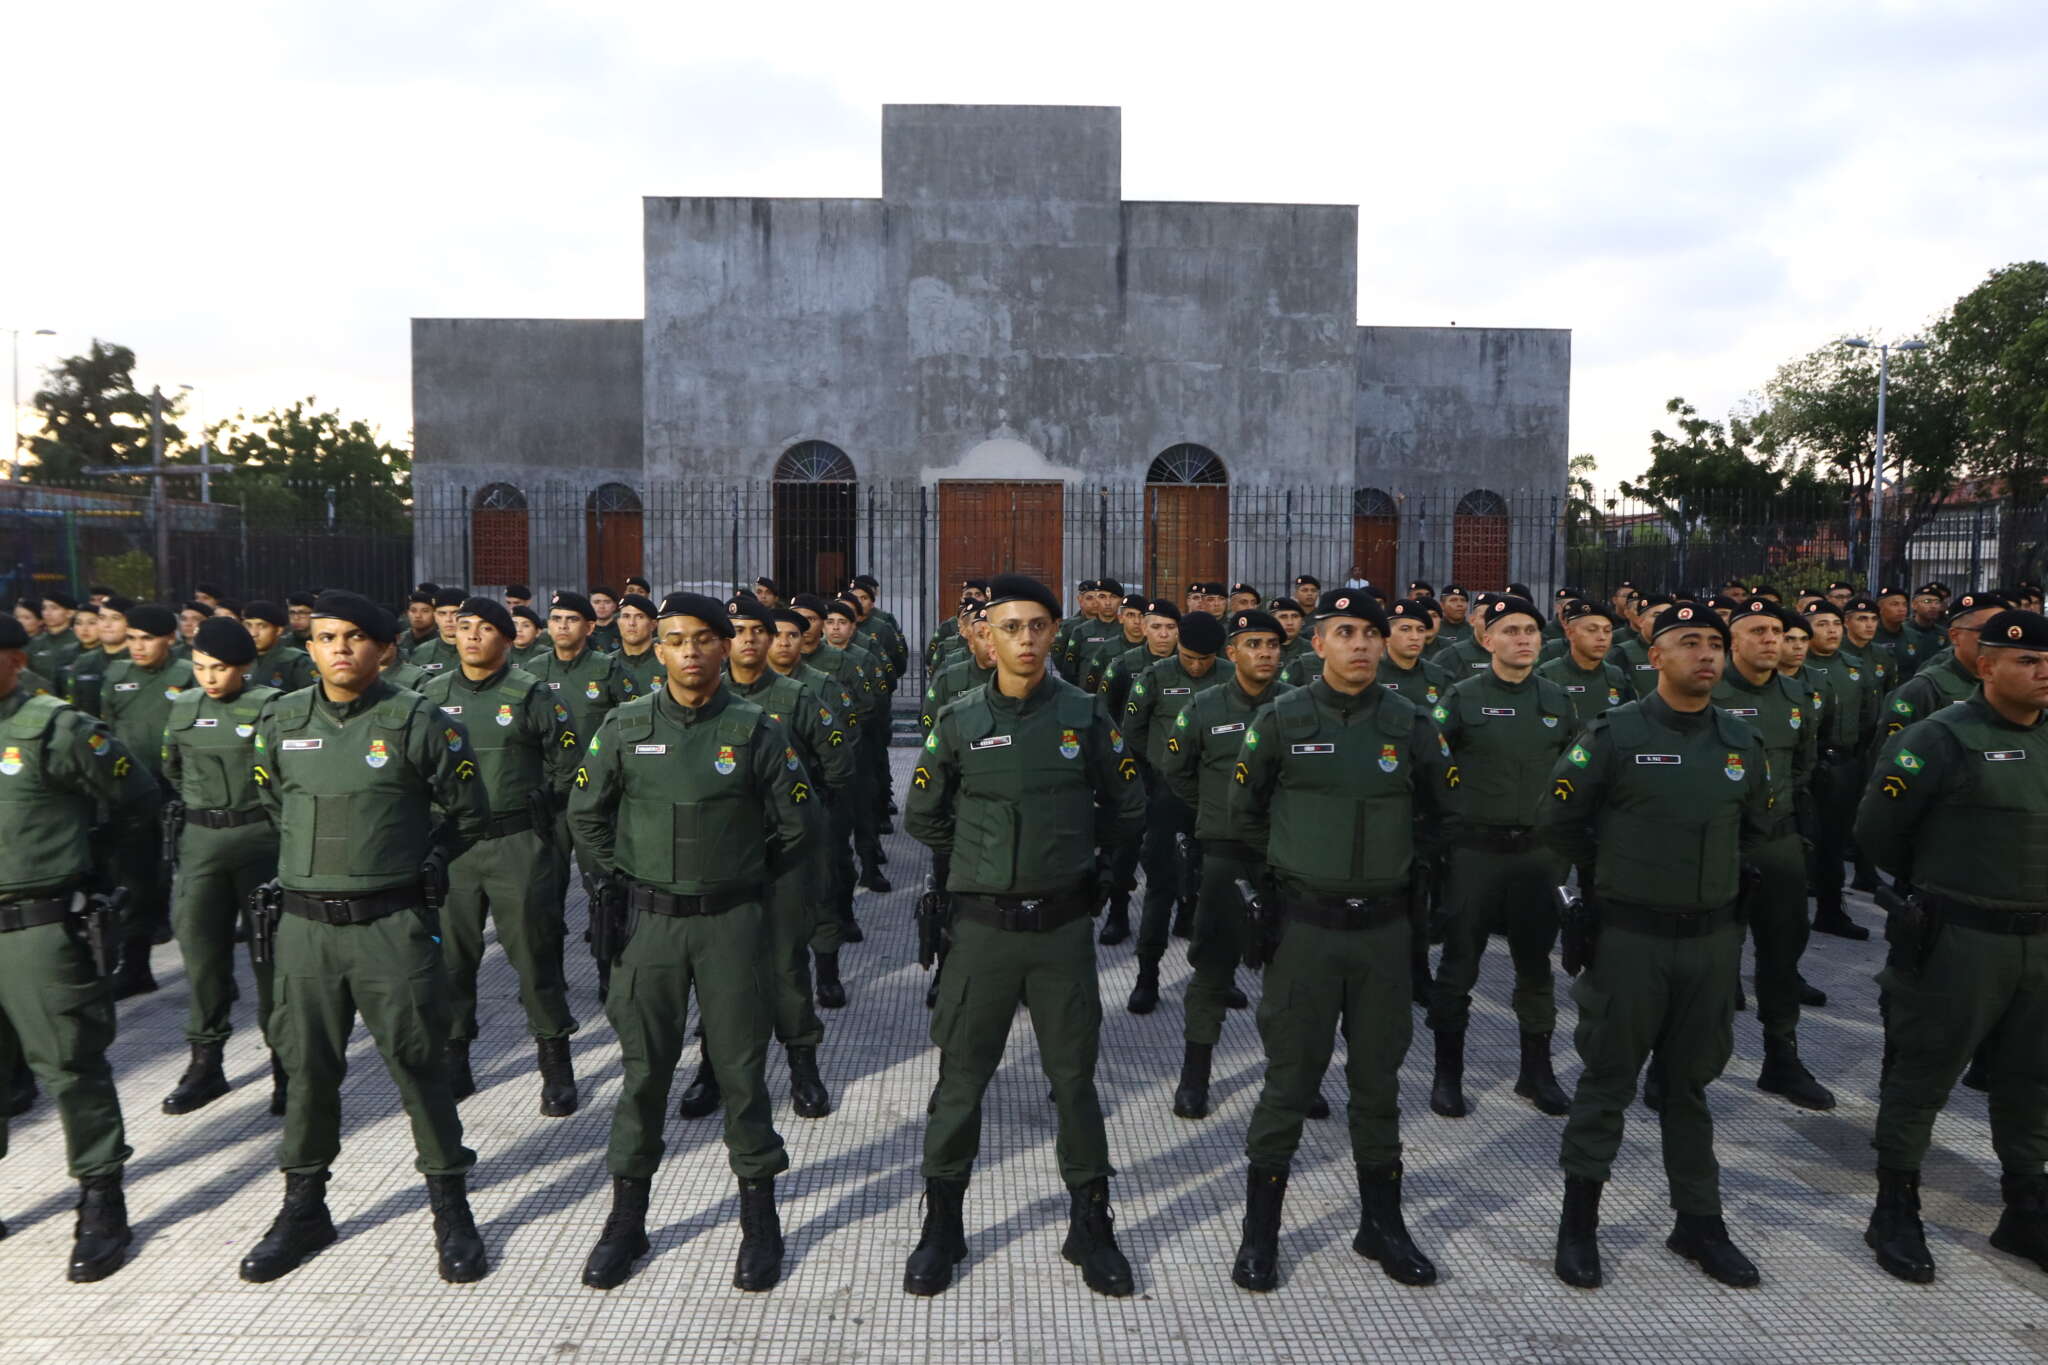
(1005, 345)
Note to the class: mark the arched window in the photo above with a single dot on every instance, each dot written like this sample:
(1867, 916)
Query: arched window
(816, 492)
(497, 536)
(1187, 519)
(1375, 534)
(612, 524)
(1479, 542)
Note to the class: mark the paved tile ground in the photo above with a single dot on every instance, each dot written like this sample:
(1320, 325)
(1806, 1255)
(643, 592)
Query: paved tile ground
(1482, 1200)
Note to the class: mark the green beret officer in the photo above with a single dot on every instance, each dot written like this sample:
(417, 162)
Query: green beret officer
(438, 654)
(135, 700)
(1846, 724)
(1585, 669)
(83, 675)
(1159, 624)
(279, 664)
(636, 656)
(1404, 669)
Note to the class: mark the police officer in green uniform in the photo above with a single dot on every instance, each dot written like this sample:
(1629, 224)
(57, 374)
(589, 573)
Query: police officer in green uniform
(226, 848)
(636, 657)
(525, 750)
(279, 663)
(689, 800)
(440, 655)
(421, 629)
(1899, 643)
(1632, 654)
(135, 701)
(1170, 855)
(838, 625)
(84, 680)
(962, 675)
(1753, 690)
(52, 651)
(529, 634)
(353, 773)
(604, 632)
(298, 607)
(1090, 606)
(1200, 758)
(1021, 790)
(1104, 630)
(1594, 684)
(59, 768)
(1957, 807)
(1506, 728)
(1338, 787)
(1950, 677)
(1404, 669)
(1294, 642)
(1837, 776)
(1657, 806)
(1457, 609)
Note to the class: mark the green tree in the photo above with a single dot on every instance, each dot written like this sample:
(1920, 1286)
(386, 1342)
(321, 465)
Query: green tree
(1993, 348)
(291, 457)
(93, 414)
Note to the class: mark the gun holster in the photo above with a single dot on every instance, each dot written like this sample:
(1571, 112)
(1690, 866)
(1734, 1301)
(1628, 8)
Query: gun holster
(934, 921)
(1911, 927)
(1578, 930)
(266, 908)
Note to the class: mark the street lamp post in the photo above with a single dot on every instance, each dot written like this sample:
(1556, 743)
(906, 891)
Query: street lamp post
(1884, 355)
(14, 412)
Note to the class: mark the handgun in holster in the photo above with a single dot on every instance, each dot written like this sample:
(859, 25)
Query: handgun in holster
(266, 908)
(934, 920)
(1262, 919)
(540, 808)
(103, 913)
(1911, 927)
(1429, 913)
(1188, 855)
(171, 818)
(1749, 880)
(1578, 930)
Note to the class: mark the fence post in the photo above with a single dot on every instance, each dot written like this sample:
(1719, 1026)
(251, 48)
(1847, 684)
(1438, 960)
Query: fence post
(1976, 544)
(1556, 563)
(926, 594)
(735, 579)
(1287, 529)
(1684, 536)
(1101, 529)
(468, 563)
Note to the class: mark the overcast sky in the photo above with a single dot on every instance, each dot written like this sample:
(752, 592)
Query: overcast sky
(258, 197)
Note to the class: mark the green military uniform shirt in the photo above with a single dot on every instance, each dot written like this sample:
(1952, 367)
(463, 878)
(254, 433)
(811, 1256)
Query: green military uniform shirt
(136, 701)
(522, 739)
(1934, 686)
(435, 657)
(1155, 701)
(49, 654)
(1632, 657)
(1782, 714)
(1504, 739)
(1593, 691)
(85, 675)
(590, 685)
(1202, 751)
(1424, 684)
(641, 673)
(283, 666)
(956, 681)
(207, 748)
(58, 768)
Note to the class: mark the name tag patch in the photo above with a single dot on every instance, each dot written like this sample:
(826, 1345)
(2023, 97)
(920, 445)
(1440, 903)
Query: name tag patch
(452, 710)
(1175, 691)
(205, 723)
(1311, 748)
(1496, 710)
(126, 687)
(1229, 729)
(1658, 760)
(1646, 668)
(992, 742)
(292, 744)
(1741, 710)
(2004, 755)
(650, 748)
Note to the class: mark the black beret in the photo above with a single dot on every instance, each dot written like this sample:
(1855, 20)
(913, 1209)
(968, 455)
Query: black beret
(301, 598)
(1628, 583)
(1250, 620)
(1521, 590)
(1883, 593)
(636, 581)
(228, 605)
(1280, 604)
(1838, 584)
(1110, 585)
(2014, 629)
(639, 600)
(1794, 621)
(1353, 602)
(981, 583)
(429, 588)
(12, 633)
(525, 613)
(360, 612)
(1435, 607)
(225, 639)
(210, 589)
(1410, 609)
(425, 599)
(578, 603)
(747, 607)
(519, 590)
(783, 616)
(32, 603)
(1017, 587)
(1659, 599)
(1735, 583)
(1757, 606)
(866, 580)
(1689, 615)
(1236, 588)
(768, 583)
(264, 611)
(1578, 609)
(1766, 589)
(1977, 601)
(709, 610)
(1415, 583)
(449, 597)
(808, 601)
(490, 611)
(1823, 607)
(118, 604)
(1159, 606)
(1132, 602)
(62, 599)
(604, 592)
(1721, 601)
(1450, 590)
(1208, 588)
(1860, 604)
(1306, 580)
(1089, 585)
(840, 606)
(1201, 633)
(967, 602)
(152, 619)
(1500, 608)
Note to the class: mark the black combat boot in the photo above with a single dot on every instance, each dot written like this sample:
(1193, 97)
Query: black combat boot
(1318, 1107)
(831, 990)
(558, 1096)
(1184, 918)
(1830, 918)
(1234, 998)
(1145, 995)
(1258, 1250)
(1784, 1074)
(2023, 1228)
(1811, 996)
(760, 1261)
(1703, 1239)
(455, 1235)
(1091, 1241)
(624, 1239)
(807, 1093)
(134, 976)
(702, 1095)
(461, 1080)
(1447, 1088)
(203, 1081)
(1578, 1233)
(1536, 1082)
(1191, 1096)
(280, 1086)
(943, 1242)
(1895, 1233)
(1382, 1234)
(302, 1227)
(100, 1237)
(1116, 923)
(849, 927)
(871, 878)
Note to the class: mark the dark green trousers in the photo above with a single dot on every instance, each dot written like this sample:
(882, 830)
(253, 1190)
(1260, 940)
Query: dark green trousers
(1837, 787)
(989, 972)
(1166, 817)
(58, 1014)
(728, 960)
(512, 880)
(1975, 986)
(390, 971)
(1217, 944)
(217, 869)
(1648, 993)
(1778, 923)
(796, 913)
(827, 933)
(1511, 892)
(1319, 981)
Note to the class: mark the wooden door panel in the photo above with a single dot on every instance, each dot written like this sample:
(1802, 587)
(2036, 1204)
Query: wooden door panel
(987, 527)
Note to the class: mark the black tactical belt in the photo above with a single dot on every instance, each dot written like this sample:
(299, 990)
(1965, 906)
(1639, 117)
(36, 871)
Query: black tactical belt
(1025, 914)
(223, 819)
(371, 905)
(1663, 923)
(508, 822)
(1989, 921)
(1496, 838)
(1235, 852)
(1347, 915)
(646, 898)
(32, 914)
